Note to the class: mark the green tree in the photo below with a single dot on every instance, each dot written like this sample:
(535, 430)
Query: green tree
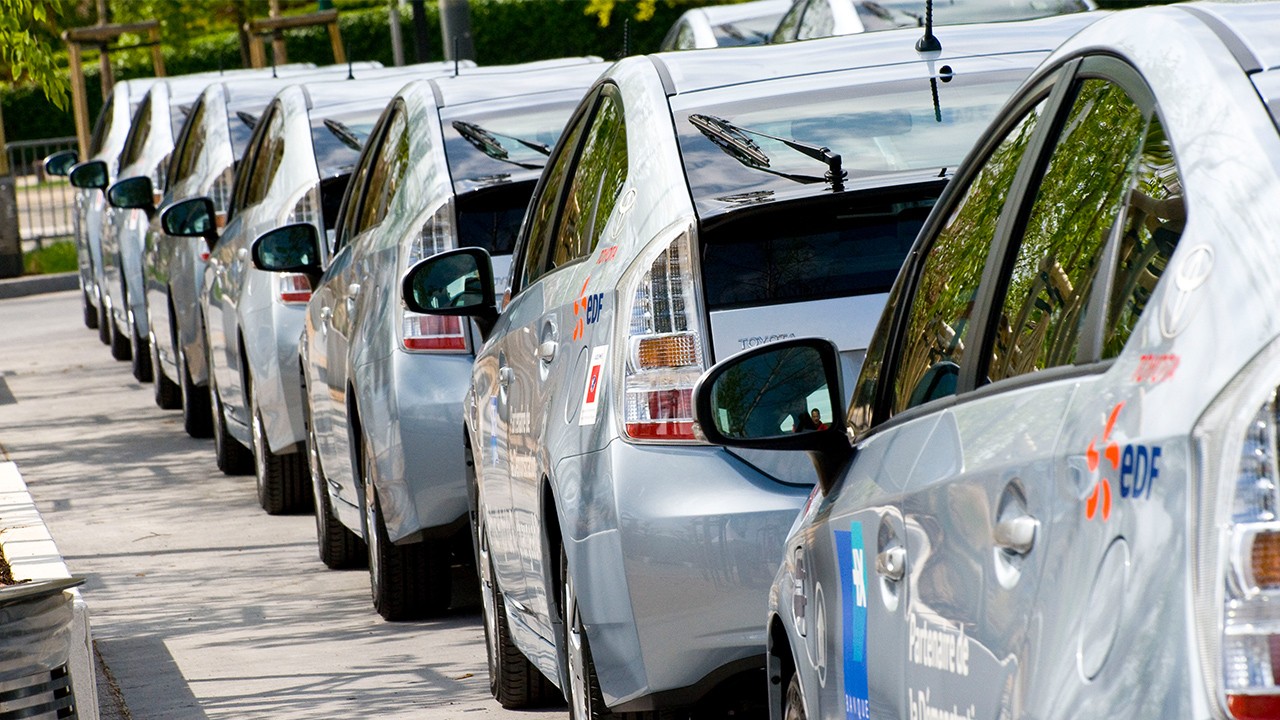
(27, 54)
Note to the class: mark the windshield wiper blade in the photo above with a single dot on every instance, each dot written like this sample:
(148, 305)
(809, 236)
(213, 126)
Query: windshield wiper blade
(486, 141)
(345, 134)
(733, 140)
(247, 118)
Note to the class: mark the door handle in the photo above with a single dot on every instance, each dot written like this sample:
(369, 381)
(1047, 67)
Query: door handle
(353, 288)
(547, 351)
(892, 563)
(326, 313)
(1017, 535)
(242, 253)
(504, 377)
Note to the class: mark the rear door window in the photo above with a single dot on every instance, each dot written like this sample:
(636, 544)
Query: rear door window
(597, 180)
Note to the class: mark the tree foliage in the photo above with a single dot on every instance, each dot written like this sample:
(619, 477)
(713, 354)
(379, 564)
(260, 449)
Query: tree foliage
(27, 54)
(602, 10)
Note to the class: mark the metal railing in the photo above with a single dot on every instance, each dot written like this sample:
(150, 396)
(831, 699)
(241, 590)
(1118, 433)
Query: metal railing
(45, 204)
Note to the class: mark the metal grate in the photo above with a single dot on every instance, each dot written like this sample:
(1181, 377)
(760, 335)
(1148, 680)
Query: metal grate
(42, 696)
(45, 204)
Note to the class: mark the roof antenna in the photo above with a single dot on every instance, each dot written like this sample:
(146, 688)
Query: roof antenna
(626, 37)
(350, 71)
(273, 63)
(928, 43)
(455, 56)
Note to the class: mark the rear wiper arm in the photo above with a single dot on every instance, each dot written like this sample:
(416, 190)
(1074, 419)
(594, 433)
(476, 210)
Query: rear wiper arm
(733, 140)
(486, 141)
(345, 134)
(247, 118)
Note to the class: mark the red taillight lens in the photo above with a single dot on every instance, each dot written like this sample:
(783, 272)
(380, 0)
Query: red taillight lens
(1254, 707)
(666, 416)
(294, 288)
(433, 332)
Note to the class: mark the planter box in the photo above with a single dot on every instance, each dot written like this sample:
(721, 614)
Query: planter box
(60, 620)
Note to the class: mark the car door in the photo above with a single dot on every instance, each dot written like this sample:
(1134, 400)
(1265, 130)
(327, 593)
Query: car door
(981, 505)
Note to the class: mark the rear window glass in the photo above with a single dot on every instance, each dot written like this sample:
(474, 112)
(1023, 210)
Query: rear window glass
(491, 218)
(475, 159)
(750, 31)
(795, 254)
(338, 142)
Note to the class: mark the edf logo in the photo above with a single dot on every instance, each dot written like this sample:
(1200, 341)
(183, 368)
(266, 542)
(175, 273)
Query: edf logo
(595, 306)
(1135, 467)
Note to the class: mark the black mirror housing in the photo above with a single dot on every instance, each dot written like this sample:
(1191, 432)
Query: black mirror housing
(133, 193)
(193, 217)
(454, 282)
(89, 175)
(767, 397)
(291, 248)
(59, 164)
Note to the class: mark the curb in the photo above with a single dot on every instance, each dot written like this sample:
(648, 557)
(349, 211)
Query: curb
(38, 284)
(33, 555)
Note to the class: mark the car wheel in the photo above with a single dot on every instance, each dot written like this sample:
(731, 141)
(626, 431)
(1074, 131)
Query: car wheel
(168, 393)
(139, 353)
(281, 479)
(119, 341)
(197, 416)
(514, 681)
(583, 687)
(793, 701)
(104, 323)
(339, 547)
(90, 312)
(233, 458)
(408, 581)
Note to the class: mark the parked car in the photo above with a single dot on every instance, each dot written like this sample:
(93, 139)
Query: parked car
(748, 23)
(211, 143)
(157, 121)
(823, 18)
(105, 143)
(701, 202)
(1078, 517)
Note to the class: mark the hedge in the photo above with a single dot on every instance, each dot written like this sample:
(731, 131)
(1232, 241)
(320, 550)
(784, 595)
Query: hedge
(503, 32)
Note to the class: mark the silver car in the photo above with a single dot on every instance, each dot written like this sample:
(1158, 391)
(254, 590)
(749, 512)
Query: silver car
(453, 163)
(748, 23)
(213, 139)
(105, 143)
(1078, 518)
(823, 18)
(701, 202)
(144, 161)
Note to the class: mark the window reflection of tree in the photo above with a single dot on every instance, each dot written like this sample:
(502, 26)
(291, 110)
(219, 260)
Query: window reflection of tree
(1075, 209)
(1154, 221)
(943, 301)
(595, 186)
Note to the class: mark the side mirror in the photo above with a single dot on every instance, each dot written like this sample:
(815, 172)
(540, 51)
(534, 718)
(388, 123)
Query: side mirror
(292, 248)
(60, 163)
(780, 396)
(193, 217)
(134, 192)
(455, 282)
(88, 175)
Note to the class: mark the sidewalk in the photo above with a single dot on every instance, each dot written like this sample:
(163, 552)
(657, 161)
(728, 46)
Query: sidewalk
(38, 284)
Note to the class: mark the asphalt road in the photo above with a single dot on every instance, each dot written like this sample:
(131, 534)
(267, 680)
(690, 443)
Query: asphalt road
(202, 605)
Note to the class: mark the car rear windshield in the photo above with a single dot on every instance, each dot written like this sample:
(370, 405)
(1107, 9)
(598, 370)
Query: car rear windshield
(469, 163)
(841, 246)
(748, 31)
(878, 128)
(491, 218)
(338, 142)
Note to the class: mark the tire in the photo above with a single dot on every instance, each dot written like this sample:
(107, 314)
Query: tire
(514, 681)
(339, 547)
(139, 353)
(582, 686)
(793, 701)
(197, 416)
(233, 458)
(168, 393)
(90, 312)
(281, 479)
(104, 323)
(119, 343)
(409, 581)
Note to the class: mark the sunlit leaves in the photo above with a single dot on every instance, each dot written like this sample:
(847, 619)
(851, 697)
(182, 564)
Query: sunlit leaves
(28, 56)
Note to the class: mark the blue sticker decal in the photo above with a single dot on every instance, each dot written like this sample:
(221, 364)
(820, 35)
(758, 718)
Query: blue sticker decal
(853, 603)
(493, 428)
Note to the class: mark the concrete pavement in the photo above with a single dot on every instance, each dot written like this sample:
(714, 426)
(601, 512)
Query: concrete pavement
(202, 605)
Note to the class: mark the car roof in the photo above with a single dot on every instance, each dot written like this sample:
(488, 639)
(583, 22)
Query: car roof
(691, 71)
(530, 79)
(1254, 25)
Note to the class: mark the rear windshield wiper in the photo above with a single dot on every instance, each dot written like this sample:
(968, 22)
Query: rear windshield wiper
(345, 134)
(247, 118)
(486, 141)
(733, 140)
(744, 36)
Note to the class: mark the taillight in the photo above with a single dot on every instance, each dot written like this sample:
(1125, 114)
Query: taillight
(664, 343)
(431, 333)
(1238, 542)
(294, 287)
